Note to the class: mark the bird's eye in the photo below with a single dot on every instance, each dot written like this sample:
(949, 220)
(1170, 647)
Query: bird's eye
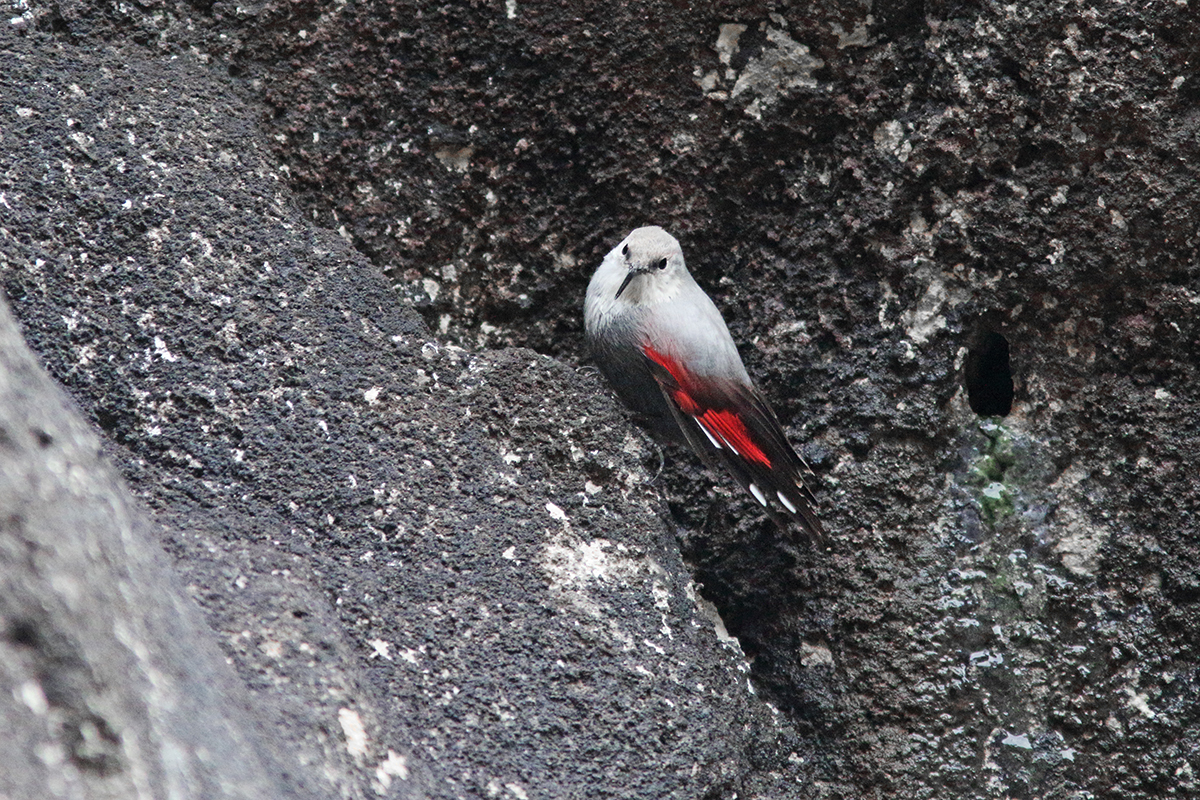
(662, 263)
(625, 251)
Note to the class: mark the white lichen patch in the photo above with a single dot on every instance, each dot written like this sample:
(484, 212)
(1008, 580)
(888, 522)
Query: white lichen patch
(577, 570)
(160, 350)
(775, 72)
(890, 139)
(727, 41)
(1020, 740)
(1139, 702)
(925, 319)
(888, 297)
(815, 655)
(710, 612)
(726, 48)
(394, 766)
(1080, 548)
(858, 37)
(1081, 540)
(575, 565)
(456, 159)
(782, 66)
(355, 733)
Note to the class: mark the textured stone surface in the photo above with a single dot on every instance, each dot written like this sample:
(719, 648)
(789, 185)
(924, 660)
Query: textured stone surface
(110, 683)
(439, 573)
(1008, 607)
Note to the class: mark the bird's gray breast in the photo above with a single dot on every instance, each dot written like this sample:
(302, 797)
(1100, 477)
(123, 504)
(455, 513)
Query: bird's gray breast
(690, 329)
(616, 345)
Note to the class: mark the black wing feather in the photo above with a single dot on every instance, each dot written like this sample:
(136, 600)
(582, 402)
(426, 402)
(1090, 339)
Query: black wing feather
(787, 471)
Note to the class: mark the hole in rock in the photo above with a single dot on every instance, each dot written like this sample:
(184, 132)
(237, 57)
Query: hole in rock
(988, 376)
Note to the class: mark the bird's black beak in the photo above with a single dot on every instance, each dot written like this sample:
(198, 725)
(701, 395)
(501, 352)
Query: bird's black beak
(628, 277)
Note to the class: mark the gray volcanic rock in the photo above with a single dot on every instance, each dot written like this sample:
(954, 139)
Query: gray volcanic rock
(439, 573)
(112, 683)
(957, 241)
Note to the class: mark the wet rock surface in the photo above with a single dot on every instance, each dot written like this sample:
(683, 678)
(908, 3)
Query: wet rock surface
(437, 559)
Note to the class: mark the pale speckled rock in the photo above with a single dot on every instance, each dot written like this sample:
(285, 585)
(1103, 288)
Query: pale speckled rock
(110, 683)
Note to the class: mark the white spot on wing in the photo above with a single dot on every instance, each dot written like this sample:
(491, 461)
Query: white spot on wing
(715, 443)
(787, 503)
(758, 495)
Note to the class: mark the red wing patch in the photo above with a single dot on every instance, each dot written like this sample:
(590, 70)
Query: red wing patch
(727, 427)
(742, 434)
(723, 426)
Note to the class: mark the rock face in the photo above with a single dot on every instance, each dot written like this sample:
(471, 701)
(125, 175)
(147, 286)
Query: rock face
(287, 259)
(114, 685)
(438, 573)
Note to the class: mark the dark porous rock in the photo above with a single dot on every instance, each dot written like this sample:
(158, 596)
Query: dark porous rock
(438, 572)
(267, 246)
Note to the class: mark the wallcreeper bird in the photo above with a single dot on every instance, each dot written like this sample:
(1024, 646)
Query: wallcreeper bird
(664, 347)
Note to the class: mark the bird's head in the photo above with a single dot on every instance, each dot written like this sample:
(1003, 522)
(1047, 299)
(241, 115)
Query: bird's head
(653, 264)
